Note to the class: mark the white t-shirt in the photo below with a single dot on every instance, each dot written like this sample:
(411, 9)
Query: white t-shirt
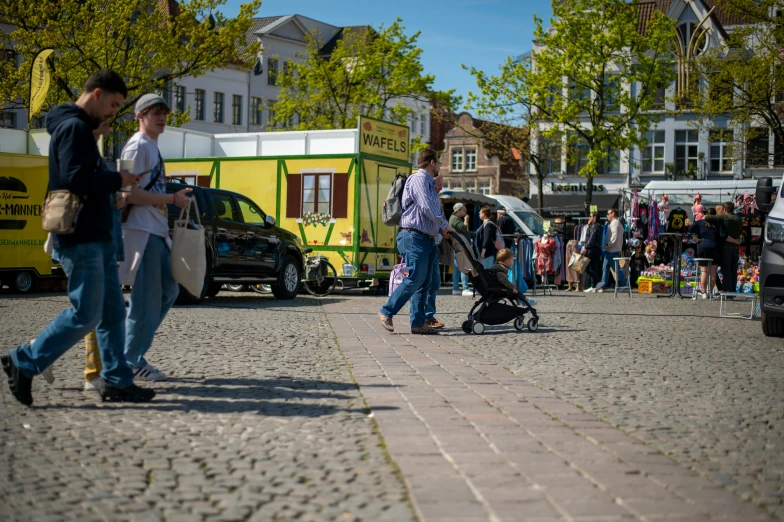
(143, 150)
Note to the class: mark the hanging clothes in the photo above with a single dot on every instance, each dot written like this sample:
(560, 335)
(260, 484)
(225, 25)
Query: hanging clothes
(571, 275)
(545, 250)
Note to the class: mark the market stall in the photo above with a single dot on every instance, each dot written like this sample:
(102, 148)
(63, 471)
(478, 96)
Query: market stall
(657, 219)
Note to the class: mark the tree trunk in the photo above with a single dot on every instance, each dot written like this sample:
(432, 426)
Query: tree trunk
(540, 186)
(588, 195)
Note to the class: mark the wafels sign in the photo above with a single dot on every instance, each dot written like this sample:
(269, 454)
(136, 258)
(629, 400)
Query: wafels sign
(381, 138)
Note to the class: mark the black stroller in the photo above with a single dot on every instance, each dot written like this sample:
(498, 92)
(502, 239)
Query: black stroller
(497, 304)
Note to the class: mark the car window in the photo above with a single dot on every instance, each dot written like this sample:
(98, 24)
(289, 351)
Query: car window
(532, 220)
(251, 214)
(224, 207)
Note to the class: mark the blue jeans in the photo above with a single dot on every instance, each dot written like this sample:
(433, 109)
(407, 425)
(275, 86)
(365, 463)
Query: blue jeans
(487, 262)
(153, 294)
(609, 262)
(96, 304)
(420, 250)
(435, 285)
(457, 276)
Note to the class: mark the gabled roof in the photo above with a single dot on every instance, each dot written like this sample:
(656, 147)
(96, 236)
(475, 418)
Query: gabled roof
(342, 34)
(720, 18)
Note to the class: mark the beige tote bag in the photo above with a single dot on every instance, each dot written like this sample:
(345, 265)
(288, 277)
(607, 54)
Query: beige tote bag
(189, 256)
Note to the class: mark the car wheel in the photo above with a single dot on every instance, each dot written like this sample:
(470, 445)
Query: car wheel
(24, 282)
(772, 326)
(213, 289)
(238, 288)
(289, 278)
(261, 289)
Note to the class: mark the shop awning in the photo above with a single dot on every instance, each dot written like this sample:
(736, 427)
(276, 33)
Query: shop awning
(572, 204)
(716, 187)
(453, 196)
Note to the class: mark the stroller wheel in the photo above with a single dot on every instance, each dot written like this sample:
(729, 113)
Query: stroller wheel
(533, 324)
(519, 323)
(467, 327)
(478, 328)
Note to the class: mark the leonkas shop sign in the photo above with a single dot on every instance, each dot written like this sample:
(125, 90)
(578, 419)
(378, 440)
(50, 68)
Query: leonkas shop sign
(381, 138)
(575, 187)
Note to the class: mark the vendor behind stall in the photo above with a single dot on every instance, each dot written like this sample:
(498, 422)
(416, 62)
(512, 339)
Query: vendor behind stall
(729, 262)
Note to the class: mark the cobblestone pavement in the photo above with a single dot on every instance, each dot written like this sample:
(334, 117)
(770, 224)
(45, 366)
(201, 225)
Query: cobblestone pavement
(260, 421)
(703, 390)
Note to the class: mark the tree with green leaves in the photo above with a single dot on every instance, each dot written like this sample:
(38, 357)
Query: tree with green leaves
(742, 79)
(594, 79)
(505, 99)
(366, 72)
(145, 43)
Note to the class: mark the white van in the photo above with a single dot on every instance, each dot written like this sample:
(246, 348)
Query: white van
(524, 215)
(771, 277)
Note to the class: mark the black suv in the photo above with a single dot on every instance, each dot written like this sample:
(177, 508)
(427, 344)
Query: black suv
(243, 245)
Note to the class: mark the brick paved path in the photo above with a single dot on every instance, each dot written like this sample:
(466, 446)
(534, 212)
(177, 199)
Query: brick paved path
(263, 421)
(475, 442)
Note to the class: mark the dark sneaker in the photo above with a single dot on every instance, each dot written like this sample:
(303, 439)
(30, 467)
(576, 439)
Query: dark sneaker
(20, 385)
(132, 393)
(386, 322)
(424, 330)
(434, 323)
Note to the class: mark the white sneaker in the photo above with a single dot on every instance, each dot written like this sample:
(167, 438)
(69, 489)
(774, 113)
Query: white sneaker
(468, 293)
(590, 290)
(531, 302)
(456, 292)
(94, 385)
(149, 373)
(703, 295)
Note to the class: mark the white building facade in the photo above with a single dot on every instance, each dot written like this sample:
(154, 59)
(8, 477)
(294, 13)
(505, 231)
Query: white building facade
(677, 145)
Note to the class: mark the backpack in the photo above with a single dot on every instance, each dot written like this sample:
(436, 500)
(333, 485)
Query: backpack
(499, 241)
(392, 209)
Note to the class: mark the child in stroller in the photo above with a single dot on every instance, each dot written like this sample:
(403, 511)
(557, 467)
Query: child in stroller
(498, 303)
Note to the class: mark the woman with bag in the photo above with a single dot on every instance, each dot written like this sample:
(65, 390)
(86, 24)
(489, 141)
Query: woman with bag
(592, 249)
(148, 264)
(487, 238)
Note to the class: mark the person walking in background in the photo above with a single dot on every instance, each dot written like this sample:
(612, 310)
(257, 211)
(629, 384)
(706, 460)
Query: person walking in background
(507, 226)
(486, 238)
(613, 244)
(592, 249)
(459, 221)
(87, 255)
(147, 266)
(729, 253)
(422, 220)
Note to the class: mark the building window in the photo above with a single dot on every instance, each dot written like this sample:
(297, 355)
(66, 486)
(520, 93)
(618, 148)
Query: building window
(653, 154)
(659, 99)
(484, 189)
(38, 122)
(470, 160)
(179, 98)
(456, 185)
(255, 110)
(414, 120)
(423, 125)
(720, 151)
(258, 68)
(758, 148)
(218, 108)
(270, 113)
(287, 68)
(272, 71)
(200, 96)
(577, 157)
(457, 160)
(9, 55)
(613, 161)
(8, 119)
(236, 109)
(316, 193)
(686, 145)
(612, 86)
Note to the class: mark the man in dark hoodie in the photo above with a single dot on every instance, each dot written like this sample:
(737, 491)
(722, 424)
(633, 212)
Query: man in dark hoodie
(88, 255)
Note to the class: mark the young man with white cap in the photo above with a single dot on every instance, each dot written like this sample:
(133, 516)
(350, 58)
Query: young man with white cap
(147, 265)
(459, 221)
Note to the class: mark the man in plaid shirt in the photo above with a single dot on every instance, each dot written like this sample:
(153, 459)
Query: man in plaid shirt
(422, 221)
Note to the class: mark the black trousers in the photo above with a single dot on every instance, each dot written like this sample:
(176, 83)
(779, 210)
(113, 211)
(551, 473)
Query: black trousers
(594, 269)
(729, 268)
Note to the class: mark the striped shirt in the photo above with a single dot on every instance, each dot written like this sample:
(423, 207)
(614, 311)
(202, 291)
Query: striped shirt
(421, 207)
